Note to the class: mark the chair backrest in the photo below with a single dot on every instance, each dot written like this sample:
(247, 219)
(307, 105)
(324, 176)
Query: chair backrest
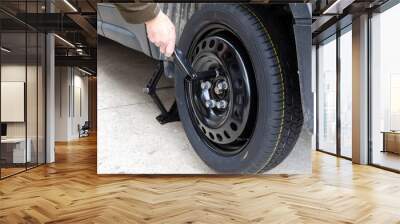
(86, 125)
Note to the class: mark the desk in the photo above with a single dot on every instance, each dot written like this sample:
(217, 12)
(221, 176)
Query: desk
(16, 148)
(391, 141)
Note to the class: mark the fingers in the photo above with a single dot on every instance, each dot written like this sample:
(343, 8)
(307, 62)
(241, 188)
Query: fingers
(161, 32)
(162, 45)
(163, 48)
(169, 50)
(170, 47)
(166, 47)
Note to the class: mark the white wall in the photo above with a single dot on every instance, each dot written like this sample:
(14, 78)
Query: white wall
(34, 125)
(62, 81)
(17, 73)
(14, 73)
(12, 101)
(80, 110)
(70, 84)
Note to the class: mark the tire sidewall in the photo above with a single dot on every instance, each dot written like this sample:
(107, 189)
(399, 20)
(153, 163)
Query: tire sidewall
(261, 145)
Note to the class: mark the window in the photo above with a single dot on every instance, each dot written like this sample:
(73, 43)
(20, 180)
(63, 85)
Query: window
(335, 108)
(385, 89)
(22, 77)
(346, 74)
(327, 96)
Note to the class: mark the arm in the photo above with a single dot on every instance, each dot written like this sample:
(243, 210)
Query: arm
(160, 29)
(136, 13)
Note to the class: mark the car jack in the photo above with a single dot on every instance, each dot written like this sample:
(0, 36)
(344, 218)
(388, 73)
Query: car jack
(151, 88)
(178, 65)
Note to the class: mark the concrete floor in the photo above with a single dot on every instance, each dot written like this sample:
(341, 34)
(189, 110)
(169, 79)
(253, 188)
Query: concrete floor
(131, 141)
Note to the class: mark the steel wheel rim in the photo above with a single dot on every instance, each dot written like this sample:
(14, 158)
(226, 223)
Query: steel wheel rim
(226, 131)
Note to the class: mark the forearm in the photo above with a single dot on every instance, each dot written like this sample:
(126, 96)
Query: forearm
(136, 13)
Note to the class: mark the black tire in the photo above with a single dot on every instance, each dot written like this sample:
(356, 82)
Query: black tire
(275, 118)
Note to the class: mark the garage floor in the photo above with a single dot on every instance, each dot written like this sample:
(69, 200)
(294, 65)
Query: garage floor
(131, 141)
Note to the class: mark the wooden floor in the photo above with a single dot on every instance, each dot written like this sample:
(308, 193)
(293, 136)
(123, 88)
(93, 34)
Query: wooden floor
(5, 172)
(69, 191)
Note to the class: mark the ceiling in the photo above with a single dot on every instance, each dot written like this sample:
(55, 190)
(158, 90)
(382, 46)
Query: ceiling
(74, 22)
(332, 15)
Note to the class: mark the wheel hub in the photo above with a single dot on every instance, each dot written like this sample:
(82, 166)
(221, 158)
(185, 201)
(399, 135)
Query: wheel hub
(215, 93)
(220, 104)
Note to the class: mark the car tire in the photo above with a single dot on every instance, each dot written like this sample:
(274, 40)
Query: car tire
(262, 118)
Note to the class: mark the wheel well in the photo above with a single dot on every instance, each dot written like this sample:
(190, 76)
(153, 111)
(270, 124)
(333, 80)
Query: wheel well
(272, 14)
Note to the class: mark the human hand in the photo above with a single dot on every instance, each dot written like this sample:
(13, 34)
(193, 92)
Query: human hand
(161, 32)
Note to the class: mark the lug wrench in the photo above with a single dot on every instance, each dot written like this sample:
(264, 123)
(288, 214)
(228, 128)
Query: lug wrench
(178, 60)
(184, 65)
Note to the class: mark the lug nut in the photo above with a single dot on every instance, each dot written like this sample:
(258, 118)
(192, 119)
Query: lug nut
(222, 85)
(222, 104)
(210, 103)
(217, 72)
(205, 85)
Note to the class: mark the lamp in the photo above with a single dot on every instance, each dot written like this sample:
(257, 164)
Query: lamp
(5, 50)
(84, 71)
(64, 40)
(70, 5)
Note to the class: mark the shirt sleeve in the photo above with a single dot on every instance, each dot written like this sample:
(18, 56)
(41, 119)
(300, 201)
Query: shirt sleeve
(136, 13)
